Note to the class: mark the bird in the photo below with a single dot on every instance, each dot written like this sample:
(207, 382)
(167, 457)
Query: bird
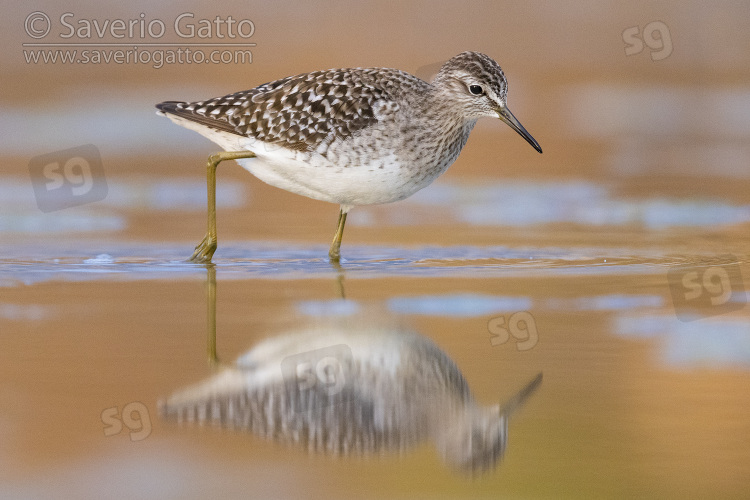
(353, 137)
(352, 388)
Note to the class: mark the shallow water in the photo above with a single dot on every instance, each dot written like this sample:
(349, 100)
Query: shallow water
(643, 391)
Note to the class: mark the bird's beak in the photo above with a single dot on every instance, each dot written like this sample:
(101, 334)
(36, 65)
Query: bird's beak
(505, 115)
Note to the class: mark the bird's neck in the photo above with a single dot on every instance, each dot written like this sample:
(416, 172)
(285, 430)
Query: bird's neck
(439, 109)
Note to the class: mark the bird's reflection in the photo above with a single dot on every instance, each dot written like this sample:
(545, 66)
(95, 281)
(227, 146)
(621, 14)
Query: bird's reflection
(213, 359)
(351, 387)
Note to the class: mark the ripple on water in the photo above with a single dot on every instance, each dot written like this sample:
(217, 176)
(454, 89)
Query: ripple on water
(281, 261)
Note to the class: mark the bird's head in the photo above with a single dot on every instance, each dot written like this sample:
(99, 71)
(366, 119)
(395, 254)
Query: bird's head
(476, 85)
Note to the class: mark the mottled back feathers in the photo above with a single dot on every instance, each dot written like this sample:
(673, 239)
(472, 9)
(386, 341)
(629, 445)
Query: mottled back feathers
(304, 111)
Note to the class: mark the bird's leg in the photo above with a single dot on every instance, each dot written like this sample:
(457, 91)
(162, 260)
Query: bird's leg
(206, 248)
(335, 252)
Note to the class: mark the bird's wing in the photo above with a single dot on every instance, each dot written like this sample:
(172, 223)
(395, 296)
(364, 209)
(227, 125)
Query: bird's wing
(301, 112)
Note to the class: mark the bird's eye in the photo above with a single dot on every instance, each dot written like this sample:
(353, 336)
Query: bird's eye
(476, 89)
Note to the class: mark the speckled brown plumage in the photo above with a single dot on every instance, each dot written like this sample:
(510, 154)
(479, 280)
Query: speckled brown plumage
(303, 111)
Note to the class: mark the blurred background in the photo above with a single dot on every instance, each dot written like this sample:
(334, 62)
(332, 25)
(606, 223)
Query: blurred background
(643, 112)
(651, 95)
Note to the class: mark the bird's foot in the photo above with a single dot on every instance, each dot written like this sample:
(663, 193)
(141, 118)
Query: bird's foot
(204, 250)
(334, 256)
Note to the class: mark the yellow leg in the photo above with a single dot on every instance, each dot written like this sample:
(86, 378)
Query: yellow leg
(335, 252)
(206, 248)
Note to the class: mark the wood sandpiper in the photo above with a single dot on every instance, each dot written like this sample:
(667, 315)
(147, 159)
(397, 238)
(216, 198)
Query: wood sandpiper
(359, 136)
